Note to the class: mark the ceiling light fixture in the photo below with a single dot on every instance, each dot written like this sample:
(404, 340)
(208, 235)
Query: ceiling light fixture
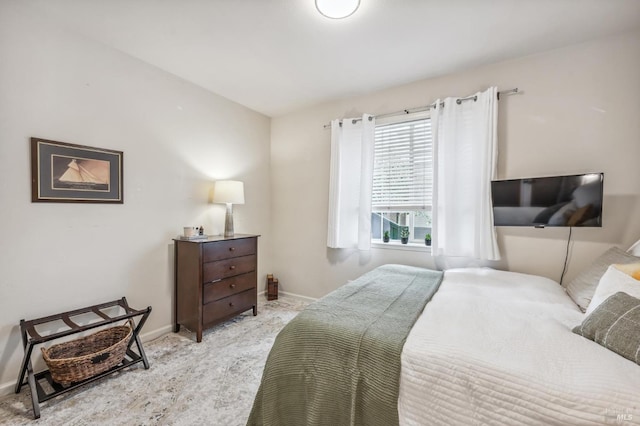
(337, 9)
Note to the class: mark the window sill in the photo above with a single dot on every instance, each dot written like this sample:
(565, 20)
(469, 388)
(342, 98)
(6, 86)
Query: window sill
(397, 245)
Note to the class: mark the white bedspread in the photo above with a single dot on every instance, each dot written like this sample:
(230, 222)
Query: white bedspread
(495, 347)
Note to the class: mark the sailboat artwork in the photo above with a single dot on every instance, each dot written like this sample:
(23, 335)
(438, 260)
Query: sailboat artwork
(83, 173)
(63, 172)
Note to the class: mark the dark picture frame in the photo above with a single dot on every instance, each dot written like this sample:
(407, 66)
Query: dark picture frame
(67, 173)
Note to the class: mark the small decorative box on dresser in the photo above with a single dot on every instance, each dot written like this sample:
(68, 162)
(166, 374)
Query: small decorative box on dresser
(215, 279)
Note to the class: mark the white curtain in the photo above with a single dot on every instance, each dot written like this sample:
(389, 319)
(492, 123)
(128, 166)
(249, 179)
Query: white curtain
(465, 161)
(350, 183)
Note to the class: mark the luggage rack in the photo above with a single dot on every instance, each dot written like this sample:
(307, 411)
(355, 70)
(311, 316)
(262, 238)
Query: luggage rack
(30, 338)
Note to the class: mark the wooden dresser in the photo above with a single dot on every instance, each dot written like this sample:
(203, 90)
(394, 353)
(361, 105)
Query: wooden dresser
(215, 279)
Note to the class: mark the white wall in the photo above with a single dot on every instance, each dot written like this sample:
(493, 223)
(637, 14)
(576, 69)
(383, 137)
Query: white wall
(176, 138)
(578, 113)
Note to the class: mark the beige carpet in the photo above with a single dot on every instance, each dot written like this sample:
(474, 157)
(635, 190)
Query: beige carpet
(189, 383)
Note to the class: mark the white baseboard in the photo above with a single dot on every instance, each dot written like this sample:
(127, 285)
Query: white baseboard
(263, 294)
(7, 388)
(154, 334)
(298, 296)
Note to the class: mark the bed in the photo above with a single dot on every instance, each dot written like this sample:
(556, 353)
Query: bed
(488, 347)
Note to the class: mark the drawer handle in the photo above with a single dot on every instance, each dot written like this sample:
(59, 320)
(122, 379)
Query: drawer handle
(232, 249)
(232, 267)
(231, 304)
(232, 285)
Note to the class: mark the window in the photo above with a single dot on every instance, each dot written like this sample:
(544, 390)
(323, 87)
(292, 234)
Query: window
(402, 177)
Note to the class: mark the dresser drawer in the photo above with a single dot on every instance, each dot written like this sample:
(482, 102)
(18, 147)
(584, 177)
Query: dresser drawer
(221, 269)
(227, 249)
(229, 286)
(228, 306)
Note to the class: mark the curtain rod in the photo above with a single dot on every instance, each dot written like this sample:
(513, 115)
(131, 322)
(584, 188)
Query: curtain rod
(428, 107)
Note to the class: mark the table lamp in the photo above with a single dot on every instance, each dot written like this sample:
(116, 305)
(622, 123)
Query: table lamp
(229, 192)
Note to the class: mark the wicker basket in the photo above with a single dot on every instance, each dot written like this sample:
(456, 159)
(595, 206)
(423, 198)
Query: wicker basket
(87, 356)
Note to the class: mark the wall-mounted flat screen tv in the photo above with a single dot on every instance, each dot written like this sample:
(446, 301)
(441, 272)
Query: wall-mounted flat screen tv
(574, 200)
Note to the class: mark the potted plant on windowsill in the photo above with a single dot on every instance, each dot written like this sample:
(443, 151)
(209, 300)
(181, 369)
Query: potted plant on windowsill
(385, 237)
(427, 239)
(404, 235)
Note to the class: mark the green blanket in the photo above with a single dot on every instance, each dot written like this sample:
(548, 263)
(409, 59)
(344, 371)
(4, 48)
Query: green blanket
(338, 362)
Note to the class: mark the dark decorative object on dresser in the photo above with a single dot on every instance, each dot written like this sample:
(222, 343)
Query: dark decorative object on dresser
(215, 279)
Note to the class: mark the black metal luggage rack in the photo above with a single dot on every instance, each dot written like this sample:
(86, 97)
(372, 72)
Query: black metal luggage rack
(30, 338)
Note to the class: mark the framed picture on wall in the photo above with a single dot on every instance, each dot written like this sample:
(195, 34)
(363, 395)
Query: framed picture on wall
(67, 173)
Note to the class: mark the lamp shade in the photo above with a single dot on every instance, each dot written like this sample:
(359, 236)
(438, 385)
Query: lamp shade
(228, 191)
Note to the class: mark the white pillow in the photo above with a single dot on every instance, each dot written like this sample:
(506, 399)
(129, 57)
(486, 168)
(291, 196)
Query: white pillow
(561, 217)
(635, 249)
(613, 281)
(588, 194)
(583, 286)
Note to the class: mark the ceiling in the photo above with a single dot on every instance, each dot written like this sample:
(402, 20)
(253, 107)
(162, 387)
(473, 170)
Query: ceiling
(276, 56)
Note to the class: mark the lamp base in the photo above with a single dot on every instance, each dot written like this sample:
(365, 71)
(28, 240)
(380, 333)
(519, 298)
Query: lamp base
(228, 221)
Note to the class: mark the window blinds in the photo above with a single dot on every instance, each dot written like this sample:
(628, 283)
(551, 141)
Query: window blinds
(403, 163)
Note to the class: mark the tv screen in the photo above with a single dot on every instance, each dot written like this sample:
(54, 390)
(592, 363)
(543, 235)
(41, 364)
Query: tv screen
(574, 200)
